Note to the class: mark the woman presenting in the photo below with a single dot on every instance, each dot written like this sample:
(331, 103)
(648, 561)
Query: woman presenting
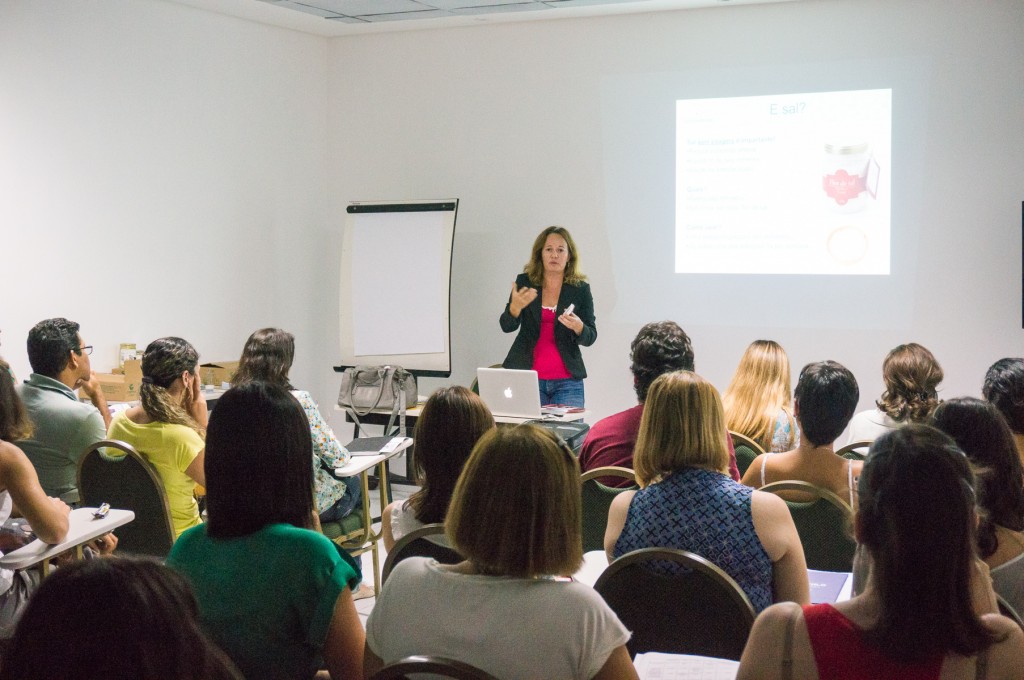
(553, 310)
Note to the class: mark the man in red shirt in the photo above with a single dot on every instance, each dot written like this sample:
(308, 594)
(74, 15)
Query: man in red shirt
(660, 347)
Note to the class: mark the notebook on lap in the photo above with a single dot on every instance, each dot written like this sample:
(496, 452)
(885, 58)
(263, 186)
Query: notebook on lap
(510, 393)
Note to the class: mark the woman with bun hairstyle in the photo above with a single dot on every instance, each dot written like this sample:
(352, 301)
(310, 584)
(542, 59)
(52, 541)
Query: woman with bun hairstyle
(916, 617)
(168, 427)
(911, 376)
(553, 311)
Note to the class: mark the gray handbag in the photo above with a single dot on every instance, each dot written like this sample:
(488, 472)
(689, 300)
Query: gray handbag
(365, 388)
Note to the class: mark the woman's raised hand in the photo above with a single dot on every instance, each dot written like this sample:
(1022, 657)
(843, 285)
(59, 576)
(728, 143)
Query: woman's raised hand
(521, 297)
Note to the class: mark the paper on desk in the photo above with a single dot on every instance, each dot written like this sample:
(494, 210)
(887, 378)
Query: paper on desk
(658, 666)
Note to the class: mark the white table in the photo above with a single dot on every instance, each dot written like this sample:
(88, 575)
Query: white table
(82, 528)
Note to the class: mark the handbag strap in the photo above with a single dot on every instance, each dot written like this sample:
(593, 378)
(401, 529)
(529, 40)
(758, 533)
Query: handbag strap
(382, 374)
(787, 646)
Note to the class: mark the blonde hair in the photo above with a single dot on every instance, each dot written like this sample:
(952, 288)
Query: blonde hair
(759, 389)
(516, 507)
(534, 269)
(682, 426)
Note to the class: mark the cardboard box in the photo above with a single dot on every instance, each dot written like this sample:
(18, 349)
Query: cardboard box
(217, 372)
(121, 386)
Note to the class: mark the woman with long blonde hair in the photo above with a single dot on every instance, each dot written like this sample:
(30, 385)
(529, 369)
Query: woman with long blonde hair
(759, 401)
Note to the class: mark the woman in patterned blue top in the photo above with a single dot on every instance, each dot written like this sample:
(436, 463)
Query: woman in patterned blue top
(688, 501)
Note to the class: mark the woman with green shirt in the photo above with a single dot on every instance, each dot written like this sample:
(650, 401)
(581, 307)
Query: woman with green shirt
(273, 594)
(169, 425)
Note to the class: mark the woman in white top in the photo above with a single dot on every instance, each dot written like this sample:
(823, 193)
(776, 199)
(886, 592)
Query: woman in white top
(19, 487)
(912, 376)
(982, 433)
(452, 421)
(826, 396)
(515, 515)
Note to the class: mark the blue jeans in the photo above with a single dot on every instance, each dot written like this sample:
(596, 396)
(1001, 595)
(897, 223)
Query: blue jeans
(568, 391)
(347, 503)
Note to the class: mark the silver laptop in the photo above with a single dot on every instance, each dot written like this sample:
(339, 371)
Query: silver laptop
(510, 393)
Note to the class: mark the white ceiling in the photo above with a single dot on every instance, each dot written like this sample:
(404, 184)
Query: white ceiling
(353, 17)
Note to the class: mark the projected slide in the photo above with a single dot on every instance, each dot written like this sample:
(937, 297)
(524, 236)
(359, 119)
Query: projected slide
(787, 184)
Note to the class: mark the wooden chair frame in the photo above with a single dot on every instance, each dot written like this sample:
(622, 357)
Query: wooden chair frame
(129, 451)
(593, 476)
(819, 494)
(448, 668)
(850, 450)
(395, 555)
(742, 439)
(743, 609)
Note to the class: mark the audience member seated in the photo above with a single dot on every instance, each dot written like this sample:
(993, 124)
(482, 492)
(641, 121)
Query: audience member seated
(687, 501)
(911, 376)
(1004, 387)
(268, 356)
(660, 347)
(168, 427)
(758, 402)
(64, 427)
(275, 595)
(826, 397)
(515, 516)
(114, 618)
(451, 423)
(980, 432)
(915, 618)
(19, 486)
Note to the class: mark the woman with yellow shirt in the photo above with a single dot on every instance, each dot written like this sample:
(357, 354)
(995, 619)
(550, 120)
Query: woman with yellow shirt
(169, 427)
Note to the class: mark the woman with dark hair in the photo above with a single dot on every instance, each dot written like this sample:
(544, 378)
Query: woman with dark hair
(275, 595)
(916, 617)
(1004, 387)
(553, 310)
(19, 487)
(911, 376)
(114, 618)
(452, 421)
(981, 432)
(168, 427)
(268, 356)
(501, 610)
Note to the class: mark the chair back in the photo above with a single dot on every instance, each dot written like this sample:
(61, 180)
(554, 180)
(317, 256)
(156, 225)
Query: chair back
(698, 610)
(597, 498)
(126, 480)
(746, 450)
(1007, 610)
(436, 665)
(855, 450)
(417, 544)
(824, 525)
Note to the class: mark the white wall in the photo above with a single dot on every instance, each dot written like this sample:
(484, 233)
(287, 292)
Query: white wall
(161, 172)
(180, 171)
(509, 119)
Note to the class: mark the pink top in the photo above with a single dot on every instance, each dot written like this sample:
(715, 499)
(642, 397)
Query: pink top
(546, 359)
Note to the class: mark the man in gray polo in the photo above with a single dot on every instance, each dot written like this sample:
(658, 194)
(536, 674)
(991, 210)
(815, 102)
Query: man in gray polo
(63, 426)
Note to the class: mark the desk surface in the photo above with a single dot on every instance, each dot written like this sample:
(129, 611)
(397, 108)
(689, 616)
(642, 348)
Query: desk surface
(379, 416)
(82, 528)
(359, 464)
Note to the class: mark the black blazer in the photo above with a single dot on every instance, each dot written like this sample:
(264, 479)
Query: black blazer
(568, 343)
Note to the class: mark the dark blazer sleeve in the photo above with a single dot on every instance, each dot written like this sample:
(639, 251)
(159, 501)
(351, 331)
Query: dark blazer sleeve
(508, 322)
(585, 311)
